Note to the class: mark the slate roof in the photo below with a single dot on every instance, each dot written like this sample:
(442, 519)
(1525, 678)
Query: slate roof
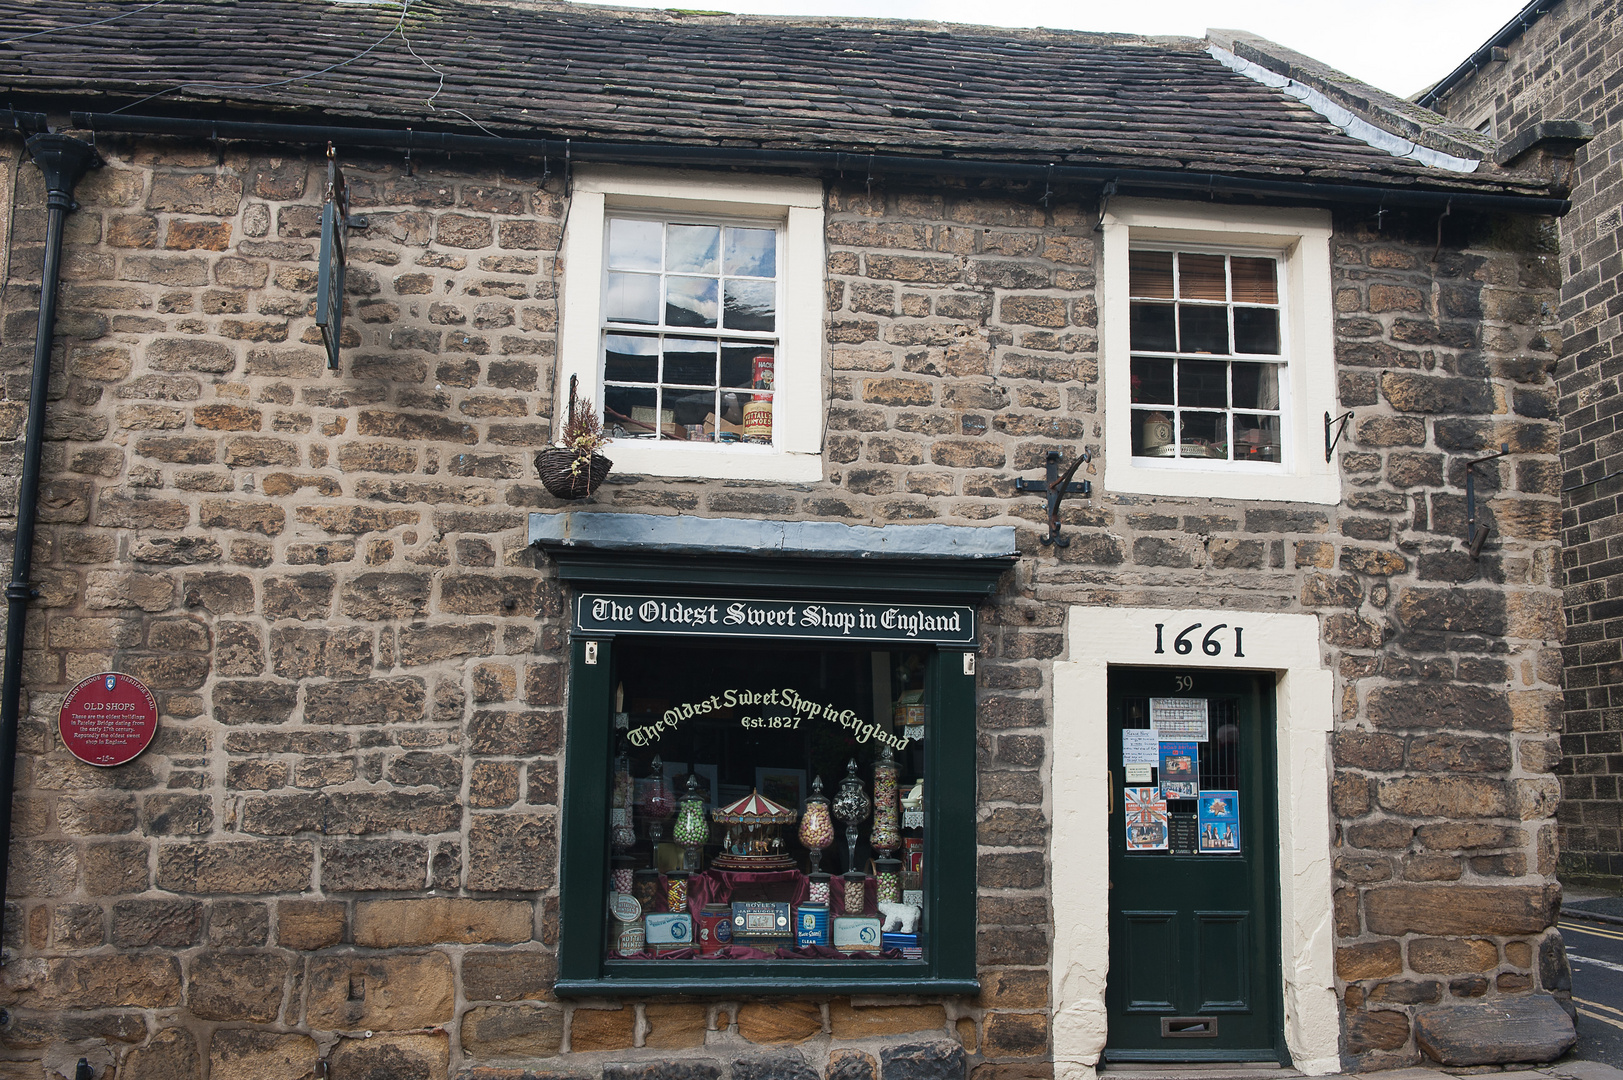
(552, 70)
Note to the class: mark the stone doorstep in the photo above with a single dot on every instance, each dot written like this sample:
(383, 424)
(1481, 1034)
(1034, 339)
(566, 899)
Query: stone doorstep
(1227, 1071)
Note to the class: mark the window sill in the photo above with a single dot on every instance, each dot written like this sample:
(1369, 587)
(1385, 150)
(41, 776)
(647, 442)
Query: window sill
(717, 979)
(669, 457)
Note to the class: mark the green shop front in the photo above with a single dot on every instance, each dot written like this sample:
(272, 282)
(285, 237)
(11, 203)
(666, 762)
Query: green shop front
(770, 762)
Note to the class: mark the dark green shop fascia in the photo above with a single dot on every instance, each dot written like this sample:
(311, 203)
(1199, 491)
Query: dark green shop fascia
(921, 566)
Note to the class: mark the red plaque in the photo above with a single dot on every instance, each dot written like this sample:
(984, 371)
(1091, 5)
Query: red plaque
(108, 719)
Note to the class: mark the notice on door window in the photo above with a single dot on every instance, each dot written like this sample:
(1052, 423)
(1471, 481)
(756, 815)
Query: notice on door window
(1183, 834)
(1180, 770)
(1140, 746)
(1220, 821)
(1146, 819)
(1178, 718)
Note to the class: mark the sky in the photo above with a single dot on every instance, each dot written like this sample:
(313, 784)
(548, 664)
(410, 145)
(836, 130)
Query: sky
(1401, 46)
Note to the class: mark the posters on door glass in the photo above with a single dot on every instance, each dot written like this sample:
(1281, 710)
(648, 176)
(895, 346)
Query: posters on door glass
(1178, 718)
(1183, 834)
(1219, 821)
(1146, 819)
(1180, 770)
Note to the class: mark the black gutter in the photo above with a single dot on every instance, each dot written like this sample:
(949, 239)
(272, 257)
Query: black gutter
(64, 162)
(1518, 25)
(561, 150)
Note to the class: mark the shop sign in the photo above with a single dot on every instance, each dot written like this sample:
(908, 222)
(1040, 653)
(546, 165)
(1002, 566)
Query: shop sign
(598, 613)
(108, 719)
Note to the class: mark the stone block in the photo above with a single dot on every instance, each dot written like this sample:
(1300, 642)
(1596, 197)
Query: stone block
(1518, 1028)
(171, 923)
(1452, 956)
(374, 865)
(937, 1060)
(849, 1022)
(381, 993)
(1007, 1034)
(601, 1029)
(671, 1025)
(308, 925)
(1445, 796)
(436, 920)
(392, 1057)
(140, 980)
(262, 1055)
(170, 1055)
(1370, 960)
(511, 851)
(239, 867)
(671, 1069)
(1382, 1029)
(768, 1021)
(783, 1066)
(1460, 910)
(527, 1031)
(236, 985)
(238, 923)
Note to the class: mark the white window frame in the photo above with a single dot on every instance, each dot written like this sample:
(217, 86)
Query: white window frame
(796, 206)
(1300, 240)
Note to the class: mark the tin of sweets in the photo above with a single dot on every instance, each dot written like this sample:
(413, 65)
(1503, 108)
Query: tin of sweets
(715, 928)
(811, 924)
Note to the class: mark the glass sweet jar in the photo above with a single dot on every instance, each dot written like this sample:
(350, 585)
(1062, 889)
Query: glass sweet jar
(691, 829)
(887, 820)
(851, 806)
(816, 825)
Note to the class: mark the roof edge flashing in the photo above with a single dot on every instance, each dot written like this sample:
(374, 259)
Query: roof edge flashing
(686, 534)
(1349, 122)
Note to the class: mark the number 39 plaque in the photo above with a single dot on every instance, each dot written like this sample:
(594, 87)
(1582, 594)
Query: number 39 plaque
(108, 719)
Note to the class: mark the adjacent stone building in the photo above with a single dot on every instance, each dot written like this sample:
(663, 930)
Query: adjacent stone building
(1247, 753)
(1552, 69)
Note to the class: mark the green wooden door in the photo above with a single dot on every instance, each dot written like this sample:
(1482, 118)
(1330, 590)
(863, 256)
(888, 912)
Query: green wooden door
(1194, 923)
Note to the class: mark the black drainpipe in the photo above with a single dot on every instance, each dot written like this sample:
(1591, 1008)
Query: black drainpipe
(63, 161)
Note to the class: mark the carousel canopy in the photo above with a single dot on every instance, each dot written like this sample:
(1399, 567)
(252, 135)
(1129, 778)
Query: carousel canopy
(755, 809)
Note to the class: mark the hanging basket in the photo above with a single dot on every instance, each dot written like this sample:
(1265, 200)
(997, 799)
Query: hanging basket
(555, 463)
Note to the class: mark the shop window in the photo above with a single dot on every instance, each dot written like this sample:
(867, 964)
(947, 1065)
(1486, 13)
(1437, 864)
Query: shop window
(1218, 343)
(692, 311)
(772, 812)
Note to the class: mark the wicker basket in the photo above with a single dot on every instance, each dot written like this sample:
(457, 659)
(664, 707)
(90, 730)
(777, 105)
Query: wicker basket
(554, 463)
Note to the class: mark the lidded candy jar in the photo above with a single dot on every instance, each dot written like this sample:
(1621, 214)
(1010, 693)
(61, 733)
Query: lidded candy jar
(658, 805)
(691, 829)
(851, 806)
(887, 819)
(816, 825)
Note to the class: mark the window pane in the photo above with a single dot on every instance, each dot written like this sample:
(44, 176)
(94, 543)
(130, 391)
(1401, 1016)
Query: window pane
(1256, 386)
(632, 298)
(1203, 329)
(748, 366)
(1256, 438)
(1152, 327)
(1152, 381)
(1254, 281)
(634, 245)
(688, 411)
(1202, 385)
(1203, 435)
(690, 301)
(752, 252)
(689, 362)
(627, 358)
(1150, 274)
(628, 412)
(1152, 433)
(693, 249)
(1256, 330)
(751, 305)
(1200, 277)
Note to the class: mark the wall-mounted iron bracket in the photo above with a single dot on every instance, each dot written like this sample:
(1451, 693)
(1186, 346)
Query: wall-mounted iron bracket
(1340, 424)
(1476, 535)
(1056, 487)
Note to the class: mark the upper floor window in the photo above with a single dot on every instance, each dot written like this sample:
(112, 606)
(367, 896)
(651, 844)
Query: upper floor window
(692, 313)
(1206, 356)
(690, 321)
(1218, 342)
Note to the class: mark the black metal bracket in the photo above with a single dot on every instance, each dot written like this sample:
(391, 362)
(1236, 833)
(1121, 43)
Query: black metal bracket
(1340, 424)
(1104, 203)
(1056, 487)
(1476, 535)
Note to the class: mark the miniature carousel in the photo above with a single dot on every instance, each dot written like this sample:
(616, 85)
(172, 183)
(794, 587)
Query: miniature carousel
(752, 840)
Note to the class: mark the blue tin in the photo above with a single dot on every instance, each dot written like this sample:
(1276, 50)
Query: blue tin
(811, 924)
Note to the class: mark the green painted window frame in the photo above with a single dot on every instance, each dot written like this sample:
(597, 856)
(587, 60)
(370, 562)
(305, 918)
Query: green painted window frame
(950, 881)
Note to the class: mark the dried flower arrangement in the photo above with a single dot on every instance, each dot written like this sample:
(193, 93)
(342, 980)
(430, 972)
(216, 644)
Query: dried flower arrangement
(574, 469)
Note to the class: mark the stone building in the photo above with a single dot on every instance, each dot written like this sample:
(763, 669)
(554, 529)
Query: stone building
(1245, 754)
(1552, 70)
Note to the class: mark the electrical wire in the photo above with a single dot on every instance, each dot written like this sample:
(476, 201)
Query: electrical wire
(430, 102)
(82, 26)
(404, 8)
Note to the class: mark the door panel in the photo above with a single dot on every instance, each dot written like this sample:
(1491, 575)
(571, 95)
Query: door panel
(1194, 925)
(1224, 956)
(1152, 950)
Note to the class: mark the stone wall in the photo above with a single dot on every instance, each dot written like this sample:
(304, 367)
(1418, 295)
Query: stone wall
(1565, 68)
(344, 842)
